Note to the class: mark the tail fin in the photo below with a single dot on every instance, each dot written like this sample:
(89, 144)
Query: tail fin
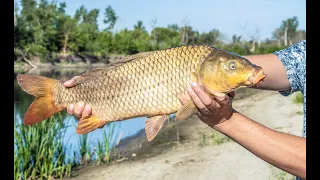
(42, 107)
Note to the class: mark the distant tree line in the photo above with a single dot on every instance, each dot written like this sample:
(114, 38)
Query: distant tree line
(43, 29)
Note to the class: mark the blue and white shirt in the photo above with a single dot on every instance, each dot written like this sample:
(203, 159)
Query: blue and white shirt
(294, 61)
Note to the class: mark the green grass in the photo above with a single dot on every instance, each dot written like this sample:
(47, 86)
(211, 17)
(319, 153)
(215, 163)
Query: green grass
(41, 154)
(216, 138)
(298, 99)
(105, 152)
(283, 176)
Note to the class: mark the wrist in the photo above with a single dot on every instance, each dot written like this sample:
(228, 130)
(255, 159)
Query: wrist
(227, 124)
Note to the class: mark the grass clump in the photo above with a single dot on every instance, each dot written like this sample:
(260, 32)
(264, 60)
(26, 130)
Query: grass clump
(283, 176)
(298, 99)
(39, 151)
(216, 138)
(105, 152)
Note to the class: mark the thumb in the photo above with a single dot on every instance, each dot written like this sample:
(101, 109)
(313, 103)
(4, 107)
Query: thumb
(70, 82)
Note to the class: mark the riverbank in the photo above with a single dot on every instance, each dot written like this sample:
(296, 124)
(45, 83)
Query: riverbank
(72, 61)
(191, 150)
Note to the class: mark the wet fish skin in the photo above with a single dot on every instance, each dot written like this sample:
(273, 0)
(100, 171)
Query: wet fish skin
(146, 84)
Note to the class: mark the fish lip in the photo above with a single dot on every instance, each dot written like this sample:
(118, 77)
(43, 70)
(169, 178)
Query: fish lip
(257, 77)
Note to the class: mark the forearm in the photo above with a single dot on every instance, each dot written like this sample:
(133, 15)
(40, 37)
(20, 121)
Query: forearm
(276, 79)
(287, 152)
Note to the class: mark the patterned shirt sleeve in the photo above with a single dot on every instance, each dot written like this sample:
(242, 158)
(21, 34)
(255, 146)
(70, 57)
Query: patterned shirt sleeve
(294, 60)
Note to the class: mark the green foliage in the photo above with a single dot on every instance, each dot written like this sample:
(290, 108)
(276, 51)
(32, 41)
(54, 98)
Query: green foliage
(216, 138)
(265, 49)
(105, 150)
(298, 99)
(110, 17)
(42, 29)
(39, 152)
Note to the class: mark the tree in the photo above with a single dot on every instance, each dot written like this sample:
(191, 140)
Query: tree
(286, 31)
(87, 31)
(188, 36)
(211, 38)
(289, 27)
(67, 27)
(173, 27)
(165, 37)
(139, 25)
(186, 30)
(277, 35)
(110, 18)
(299, 36)
(236, 39)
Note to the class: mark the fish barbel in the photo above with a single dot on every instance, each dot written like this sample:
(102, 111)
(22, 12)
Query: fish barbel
(147, 84)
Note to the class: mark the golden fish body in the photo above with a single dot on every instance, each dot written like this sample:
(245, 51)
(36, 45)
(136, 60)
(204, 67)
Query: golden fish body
(147, 84)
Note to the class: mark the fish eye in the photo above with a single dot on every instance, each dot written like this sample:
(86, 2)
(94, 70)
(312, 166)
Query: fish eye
(232, 65)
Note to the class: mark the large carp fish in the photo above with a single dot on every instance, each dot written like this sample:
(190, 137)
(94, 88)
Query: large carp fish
(147, 84)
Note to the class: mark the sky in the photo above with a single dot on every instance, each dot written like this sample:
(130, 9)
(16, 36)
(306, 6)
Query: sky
(242, 17)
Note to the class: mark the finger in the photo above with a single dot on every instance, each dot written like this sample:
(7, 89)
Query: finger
(87, 111)
(78, 109)
(70, 109)
(223, 101)
(70, 82)
(196, 100)
(204, 97)
(184, 99)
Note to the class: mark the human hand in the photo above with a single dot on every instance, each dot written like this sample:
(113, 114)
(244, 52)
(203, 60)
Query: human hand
(211, 110)
(80, 110)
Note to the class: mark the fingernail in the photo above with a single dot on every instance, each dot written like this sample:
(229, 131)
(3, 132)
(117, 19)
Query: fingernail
(81, 103)
(190, 90)
(194, 84)
(71, 107)
(87, 108)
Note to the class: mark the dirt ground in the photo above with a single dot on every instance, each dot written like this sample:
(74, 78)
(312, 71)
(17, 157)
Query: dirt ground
(189, 150)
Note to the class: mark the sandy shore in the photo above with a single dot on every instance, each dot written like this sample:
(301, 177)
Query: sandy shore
(201, 153)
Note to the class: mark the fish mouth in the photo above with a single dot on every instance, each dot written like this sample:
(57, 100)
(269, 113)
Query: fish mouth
(257, 77)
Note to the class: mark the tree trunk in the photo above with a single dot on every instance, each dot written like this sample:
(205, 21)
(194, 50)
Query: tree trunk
(26, 60)
(286, 36)
(253, 46)
(183, 35)
(66, 38)
(20, 58)
(29, 62)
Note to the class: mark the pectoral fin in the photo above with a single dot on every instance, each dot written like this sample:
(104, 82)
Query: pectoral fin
(153, 126)
(89, 124)
(187, 110)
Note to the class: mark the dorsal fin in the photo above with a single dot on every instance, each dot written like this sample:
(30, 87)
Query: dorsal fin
(104, 69)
